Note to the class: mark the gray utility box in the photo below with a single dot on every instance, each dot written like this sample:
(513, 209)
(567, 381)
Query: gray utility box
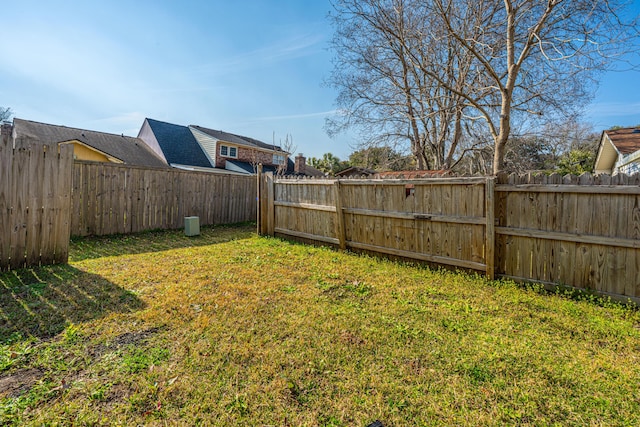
(191, 226)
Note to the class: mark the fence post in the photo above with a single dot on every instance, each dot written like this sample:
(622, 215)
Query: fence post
(259, 200)
(340, 231)
(270, 207)
(490, 233)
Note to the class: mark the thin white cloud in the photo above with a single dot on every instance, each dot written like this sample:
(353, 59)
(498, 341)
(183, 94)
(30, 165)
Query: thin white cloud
(294, 116)
(294, 47)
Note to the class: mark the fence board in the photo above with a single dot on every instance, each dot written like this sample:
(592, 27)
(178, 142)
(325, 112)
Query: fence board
(6, 202)
(35, 173)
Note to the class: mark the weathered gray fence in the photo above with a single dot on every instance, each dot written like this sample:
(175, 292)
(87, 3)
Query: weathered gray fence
(110, 198)
(45, 197)
(35, 208)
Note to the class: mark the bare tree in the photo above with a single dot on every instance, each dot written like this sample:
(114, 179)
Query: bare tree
(509, 65)
(384, 92)
(5, 114)
(532, 58)
(287, 148)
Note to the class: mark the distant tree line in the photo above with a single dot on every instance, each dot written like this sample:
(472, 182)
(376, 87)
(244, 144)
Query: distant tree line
(565, 149)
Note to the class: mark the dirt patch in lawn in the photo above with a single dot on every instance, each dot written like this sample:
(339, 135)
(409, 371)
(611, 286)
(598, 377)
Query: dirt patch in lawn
(18, 383)
(123, 339)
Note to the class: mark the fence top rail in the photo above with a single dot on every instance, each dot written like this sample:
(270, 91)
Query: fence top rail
(291, 181)
(162, 169)
(425, 181)
(561, 188)
(384, 181)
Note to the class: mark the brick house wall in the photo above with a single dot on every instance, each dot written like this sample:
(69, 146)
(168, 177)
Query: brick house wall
(245, 155)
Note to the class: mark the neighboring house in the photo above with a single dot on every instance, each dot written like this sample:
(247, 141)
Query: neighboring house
(87, 144)
(355, 171)
(199, 148)
(174, 143)
(414, 174)
(238, 153)
(619, 152)
(302, 169)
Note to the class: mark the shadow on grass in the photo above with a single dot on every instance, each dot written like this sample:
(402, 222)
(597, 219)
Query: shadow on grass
(43, 301)
(83, 248)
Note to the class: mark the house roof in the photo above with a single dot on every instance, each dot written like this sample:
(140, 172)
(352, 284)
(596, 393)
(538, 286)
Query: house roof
(626, 140)
(613, 145)
(355, 170)
(130, 150)
(411, 174)
(237, 139)
(246, 167)
(178, 144)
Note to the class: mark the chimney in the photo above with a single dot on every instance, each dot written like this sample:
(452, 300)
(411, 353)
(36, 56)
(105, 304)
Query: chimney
(6, 128)
(300, 166)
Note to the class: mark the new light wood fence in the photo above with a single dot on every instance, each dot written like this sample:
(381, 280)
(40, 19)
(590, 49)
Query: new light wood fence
(110, 199)
(445, 221)
(582, 232)
(35, 193)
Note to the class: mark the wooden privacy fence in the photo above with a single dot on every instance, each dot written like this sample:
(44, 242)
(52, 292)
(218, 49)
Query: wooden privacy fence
(109, 198)
(35, 193)
(445, 221)
(582, 232)
(45, 197)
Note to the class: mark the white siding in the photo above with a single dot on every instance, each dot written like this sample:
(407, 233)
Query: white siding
(207, 142)
(629, 164)
(147, 135)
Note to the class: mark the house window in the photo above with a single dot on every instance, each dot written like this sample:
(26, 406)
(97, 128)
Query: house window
(227, 151)
(278, 159)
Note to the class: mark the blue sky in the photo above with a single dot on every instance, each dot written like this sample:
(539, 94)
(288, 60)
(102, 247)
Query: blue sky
(249, 67)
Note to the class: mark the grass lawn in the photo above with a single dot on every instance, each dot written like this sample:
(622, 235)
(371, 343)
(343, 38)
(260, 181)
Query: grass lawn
(233, 329)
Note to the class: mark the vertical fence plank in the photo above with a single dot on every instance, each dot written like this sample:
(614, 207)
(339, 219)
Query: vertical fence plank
(490, 233)
(340, 233)
(6, 203)
(259, 199)
(35, 173)
(62, 213)
(20, 194)
(270, 211)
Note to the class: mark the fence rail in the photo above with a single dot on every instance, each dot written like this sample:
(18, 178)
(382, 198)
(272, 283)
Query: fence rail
(578, 231)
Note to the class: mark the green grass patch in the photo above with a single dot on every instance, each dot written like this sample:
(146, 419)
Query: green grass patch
(229, 328)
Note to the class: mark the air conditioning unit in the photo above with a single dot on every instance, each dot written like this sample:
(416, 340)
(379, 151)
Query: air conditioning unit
(191, 225)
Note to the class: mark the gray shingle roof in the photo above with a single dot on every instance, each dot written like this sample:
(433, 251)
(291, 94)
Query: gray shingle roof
(178, 144)
(130, 150)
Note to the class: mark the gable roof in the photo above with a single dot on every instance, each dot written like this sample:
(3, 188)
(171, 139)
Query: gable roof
(130, 150)
(614, 145)
(178, 144)
(236, 139)
(626, 140)
(355, 171)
